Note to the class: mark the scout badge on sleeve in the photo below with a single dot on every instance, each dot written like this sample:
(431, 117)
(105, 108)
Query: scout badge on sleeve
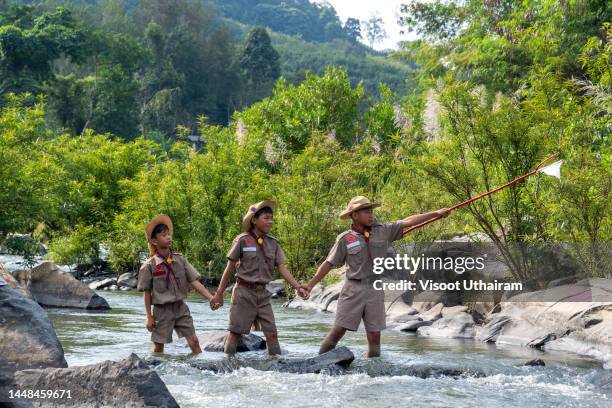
(553, 169)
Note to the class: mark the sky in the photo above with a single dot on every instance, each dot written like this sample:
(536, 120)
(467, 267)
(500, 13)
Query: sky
(363, 10)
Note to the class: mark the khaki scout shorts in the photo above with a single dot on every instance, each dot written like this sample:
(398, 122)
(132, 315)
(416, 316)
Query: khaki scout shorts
(251, 307)
(359, 300)
(170, 316)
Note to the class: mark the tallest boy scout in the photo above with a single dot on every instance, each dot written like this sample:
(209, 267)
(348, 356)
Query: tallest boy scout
(357, 247)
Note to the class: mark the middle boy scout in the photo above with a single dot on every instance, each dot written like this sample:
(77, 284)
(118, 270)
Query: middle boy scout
(254, 254)
(357, 247)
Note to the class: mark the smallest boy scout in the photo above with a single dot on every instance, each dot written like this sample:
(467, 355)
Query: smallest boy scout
(357, 247)
(165, 278)
(254, 254)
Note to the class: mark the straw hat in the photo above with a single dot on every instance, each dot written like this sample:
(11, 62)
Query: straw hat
(246, 220)
(357, 203)
(158, 219)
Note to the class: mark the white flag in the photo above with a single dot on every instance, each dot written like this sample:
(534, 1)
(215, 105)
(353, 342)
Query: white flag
(552, 169)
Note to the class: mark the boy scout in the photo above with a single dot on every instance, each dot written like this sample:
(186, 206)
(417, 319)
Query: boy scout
(364, 241)
(254, 254)
(165, 278)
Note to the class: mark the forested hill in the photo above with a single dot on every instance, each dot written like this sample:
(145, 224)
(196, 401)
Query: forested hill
(132, 67)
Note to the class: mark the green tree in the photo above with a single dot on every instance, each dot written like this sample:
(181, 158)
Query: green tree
(352, 29)
(259, 63)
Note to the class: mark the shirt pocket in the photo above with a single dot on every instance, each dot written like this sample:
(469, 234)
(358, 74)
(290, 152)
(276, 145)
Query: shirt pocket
(159, 283)
(354, 260)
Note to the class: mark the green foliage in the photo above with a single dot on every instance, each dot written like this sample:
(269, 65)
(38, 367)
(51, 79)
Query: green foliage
(293, 113)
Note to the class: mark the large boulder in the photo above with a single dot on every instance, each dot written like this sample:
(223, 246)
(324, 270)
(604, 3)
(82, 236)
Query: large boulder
(561, 323)
(50, 286)
(126, 383)
(27, 338)
(215, 341)
(332, 362)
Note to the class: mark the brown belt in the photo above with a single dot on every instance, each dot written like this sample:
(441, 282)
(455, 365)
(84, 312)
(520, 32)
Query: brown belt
(249, 285)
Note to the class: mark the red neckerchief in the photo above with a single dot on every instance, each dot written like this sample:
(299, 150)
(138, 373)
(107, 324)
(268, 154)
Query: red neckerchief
(367, 238)
(170, 269)
(261, 246)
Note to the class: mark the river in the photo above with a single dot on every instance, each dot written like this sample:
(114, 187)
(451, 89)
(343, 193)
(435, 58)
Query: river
(566, 381)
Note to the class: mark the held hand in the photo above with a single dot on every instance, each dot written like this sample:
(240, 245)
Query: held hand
(150, 323)
(443, 212)
(304, 292)
(216, 302)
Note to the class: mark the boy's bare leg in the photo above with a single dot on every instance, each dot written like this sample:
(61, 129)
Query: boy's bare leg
(194, 344)
(231, 343)
(272, 343)
(331, 340)
(158, 347)
(373, 343)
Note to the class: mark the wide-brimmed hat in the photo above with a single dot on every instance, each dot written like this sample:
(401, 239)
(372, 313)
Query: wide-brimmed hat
(246, 220)
(357, 203)
(158, 219)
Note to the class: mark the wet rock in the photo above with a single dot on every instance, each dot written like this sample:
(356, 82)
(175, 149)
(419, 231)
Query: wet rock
(27, 337)
(457, 326)
(331, 362)
(129, 382)
(276, 288)
(425, 371)
(414, 325)
(583, 328)
(215, 341)
(126, 280)
(536, 362)
(400, 312)
(50, 286)
(101, 284)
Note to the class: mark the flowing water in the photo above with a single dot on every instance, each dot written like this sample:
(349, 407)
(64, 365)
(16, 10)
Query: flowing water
(566, 381)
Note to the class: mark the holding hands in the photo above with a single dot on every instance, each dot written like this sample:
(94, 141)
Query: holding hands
(216, 301)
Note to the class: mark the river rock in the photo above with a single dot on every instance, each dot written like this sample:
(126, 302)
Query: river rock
(27, 337)
(536, 362)
(450, 311)
(276, 288)
(432, 314)
(126, 280)
(580, 327)
(215, 341)
(331, 362)
(50, 286)
(414, 325)
(400, 312)
(457, 326)
(126, 383)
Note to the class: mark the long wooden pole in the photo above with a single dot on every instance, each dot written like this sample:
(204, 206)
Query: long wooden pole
(488, 193)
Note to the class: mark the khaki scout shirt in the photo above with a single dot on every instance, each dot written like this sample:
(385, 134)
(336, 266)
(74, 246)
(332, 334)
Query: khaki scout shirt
(351, 248)
(154, 276)
(253, 265)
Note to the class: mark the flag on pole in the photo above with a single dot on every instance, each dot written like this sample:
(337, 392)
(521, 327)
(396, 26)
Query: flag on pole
(552, 169)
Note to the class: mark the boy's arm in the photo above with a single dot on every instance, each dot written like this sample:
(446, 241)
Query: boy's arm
(147, 302)
(218, 297)
(202, 290)
(419, 218)
(321, 272)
